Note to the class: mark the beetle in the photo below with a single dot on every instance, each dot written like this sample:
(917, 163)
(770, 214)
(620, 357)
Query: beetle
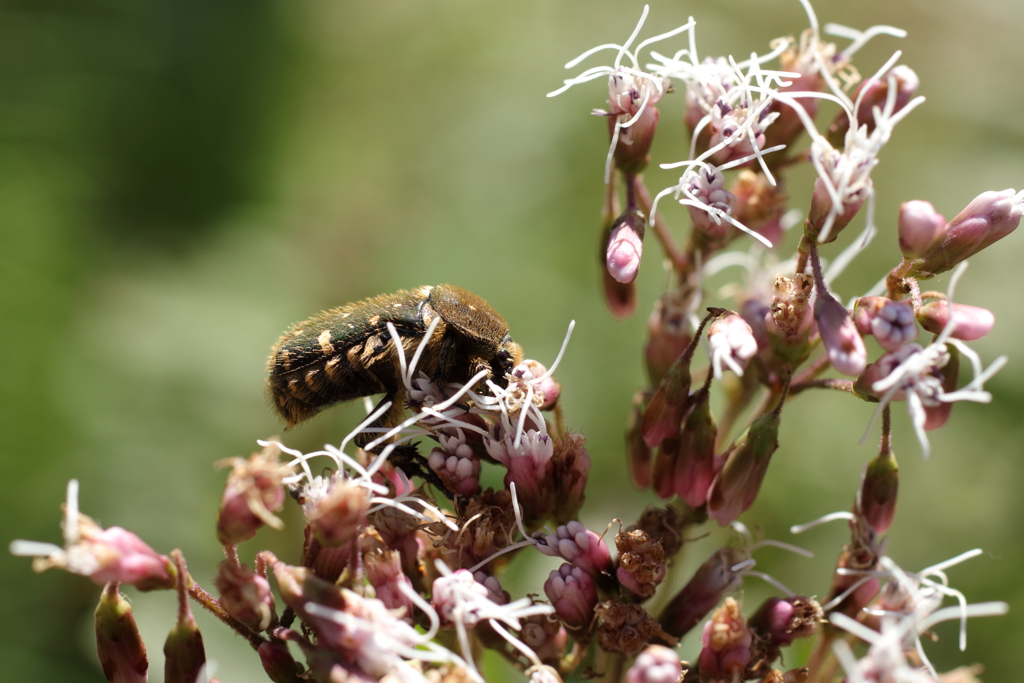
(347, 352)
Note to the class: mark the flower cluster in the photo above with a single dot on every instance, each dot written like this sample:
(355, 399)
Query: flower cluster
(404, 553)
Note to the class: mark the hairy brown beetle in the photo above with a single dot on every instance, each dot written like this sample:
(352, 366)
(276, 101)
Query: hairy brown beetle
(348, 352)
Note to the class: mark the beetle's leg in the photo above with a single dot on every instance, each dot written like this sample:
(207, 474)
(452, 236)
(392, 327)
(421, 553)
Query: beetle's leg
(404, 457)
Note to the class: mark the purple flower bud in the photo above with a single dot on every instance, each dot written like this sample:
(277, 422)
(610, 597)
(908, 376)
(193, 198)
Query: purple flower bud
(626, 96)
(456, 464)
(735, 487)
(119, 645)
(990, 217)
(780, 621)
(713, 579)
(920, 228)
(495, 592)
(821, 206)
(972, 322)
(447, 599)
(708, 186)
(245, 596)
(891, 322)
(625, 247)
(726, 642)
(878, 488)
(336, 511)
(253, 493)
(845, 348)
(573, 595)
(656, 664)
(576, 544)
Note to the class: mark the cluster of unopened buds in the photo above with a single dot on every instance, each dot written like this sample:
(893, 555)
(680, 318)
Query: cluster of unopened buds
(396, 582)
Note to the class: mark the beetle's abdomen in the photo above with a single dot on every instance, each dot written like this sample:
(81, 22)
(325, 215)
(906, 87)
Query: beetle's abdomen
(342, 354)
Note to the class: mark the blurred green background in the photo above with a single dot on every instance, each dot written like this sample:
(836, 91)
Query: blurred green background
(180, 180)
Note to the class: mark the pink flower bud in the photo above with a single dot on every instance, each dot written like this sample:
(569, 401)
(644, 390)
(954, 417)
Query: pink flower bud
(625, 247)
(920, 228)
(495, 592)
(713, 579)
(245, 596)
(891, 322)
(732, 344)
(708, 186)
(656, 664)
(821, 206)
(629, 96)
(857, 557)
(578, 545)
(878, 488)
(573, 595)
(726, 642)
(119, 645)
(780, 621)
(845, 348)
(990, 217)
(972, 322)
(253, 493)
(456, 464)
(641, 562)
(447, 598)
(735, 487)
(336, 510)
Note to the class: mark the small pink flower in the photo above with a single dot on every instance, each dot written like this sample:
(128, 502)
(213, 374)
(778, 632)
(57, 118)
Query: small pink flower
(104, 555)
(625, 247)
(575, 543)
(253, 493)
(573, 595)
(656, 664)
(731, 343)
(726, 642)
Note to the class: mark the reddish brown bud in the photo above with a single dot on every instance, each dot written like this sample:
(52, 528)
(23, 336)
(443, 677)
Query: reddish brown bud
(184, 655)
(736, 485)
(713, 579)
(278, 662)
(878, 488)
(638, 452)
(118, 642)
